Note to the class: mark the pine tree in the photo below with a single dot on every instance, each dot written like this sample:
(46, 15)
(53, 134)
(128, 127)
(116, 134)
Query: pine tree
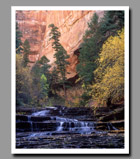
(55, 35)
(26, 52)
(44, 67)
(95, 36)
(97, 33)
(60, 55)
(89, 51)
(18, 40)
(111, 23)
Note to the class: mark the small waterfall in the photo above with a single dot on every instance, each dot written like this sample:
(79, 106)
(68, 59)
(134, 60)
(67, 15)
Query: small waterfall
(41, 113)
(31, 123)
(45, 121)
(66, 125)
(75, 126)
(60, 128)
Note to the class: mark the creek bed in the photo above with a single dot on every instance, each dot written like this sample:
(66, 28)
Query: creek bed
(95, 140)
(58, 128)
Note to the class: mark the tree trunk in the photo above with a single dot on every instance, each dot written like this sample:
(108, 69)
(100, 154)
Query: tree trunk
(109, 102)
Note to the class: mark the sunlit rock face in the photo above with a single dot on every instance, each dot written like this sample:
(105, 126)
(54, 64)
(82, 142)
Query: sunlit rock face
(32, 24)
(71, 24)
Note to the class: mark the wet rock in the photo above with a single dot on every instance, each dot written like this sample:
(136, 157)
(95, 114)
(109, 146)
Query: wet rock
(27, 111)
(112, 125)
(117, 131)
(66, 124)
(67, 129)
(39, 126)
(21, 118)
(79, 111)
(73, 141)
(72, 125)
(33, 118)
(36, 126)
(118, 124)
(118, 114)
(23, 126)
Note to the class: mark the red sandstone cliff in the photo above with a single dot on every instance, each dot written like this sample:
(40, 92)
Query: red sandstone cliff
(71, 24)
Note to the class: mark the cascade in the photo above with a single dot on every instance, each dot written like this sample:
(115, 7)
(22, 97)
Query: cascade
(45, 121)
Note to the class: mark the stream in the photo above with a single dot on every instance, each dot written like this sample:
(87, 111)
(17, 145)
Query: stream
(60, 127)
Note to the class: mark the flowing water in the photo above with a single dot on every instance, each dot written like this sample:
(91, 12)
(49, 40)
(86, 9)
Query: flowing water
(55, 124)
(51, 128)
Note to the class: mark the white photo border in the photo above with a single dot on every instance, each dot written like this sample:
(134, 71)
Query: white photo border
(125, 150)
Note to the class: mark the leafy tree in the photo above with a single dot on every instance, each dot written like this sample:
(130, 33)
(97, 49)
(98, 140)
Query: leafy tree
(44, 89)
(96, 34)
(55, 80)
(26, 52)
(39, 70)
(18, 40)
(23, 82)
(109, 75)
(44, 86)
(60, 55)
(44, 67)
(36, 86)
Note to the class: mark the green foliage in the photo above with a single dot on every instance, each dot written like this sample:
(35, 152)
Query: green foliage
(96, 34)
(93, 26)
(111, 22)
(45, 68)
(109, 76)
(55, 35)
(23, 82)
(54, 80)
(101, 52)
(44, 61)
(84, 99)
(60, 55)
(26, 52)
(42, 81)
(36, 86)
(18, 40)
(44, 87)
(61, 63)
(89, 52)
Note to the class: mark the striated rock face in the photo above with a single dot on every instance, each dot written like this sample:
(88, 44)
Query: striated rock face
(71, 24)
(32, 24)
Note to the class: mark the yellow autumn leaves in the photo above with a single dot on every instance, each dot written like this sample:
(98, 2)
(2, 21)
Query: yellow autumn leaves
(109, 76)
